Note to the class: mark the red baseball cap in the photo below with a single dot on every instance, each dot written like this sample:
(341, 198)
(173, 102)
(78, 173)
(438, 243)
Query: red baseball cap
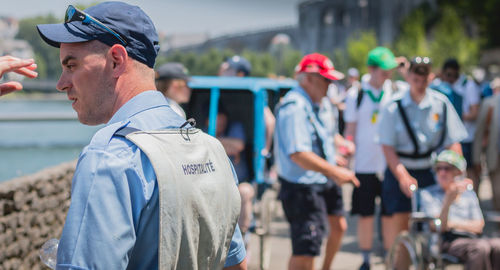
(318, 63)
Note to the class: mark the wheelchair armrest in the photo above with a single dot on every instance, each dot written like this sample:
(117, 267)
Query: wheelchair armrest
(422, 217)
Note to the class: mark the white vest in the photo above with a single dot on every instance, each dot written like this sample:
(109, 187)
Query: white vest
(199, 200)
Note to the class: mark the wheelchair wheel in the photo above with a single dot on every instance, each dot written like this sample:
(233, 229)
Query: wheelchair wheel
(405, 253)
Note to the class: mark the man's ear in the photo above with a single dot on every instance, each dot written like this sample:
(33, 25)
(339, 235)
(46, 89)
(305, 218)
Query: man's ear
(118, 57)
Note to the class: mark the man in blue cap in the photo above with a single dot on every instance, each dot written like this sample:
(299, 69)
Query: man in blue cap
(107, 54)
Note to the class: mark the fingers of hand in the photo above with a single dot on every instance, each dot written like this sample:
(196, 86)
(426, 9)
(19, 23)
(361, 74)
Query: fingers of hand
(10, 63)
(27, 71)
(8, 87)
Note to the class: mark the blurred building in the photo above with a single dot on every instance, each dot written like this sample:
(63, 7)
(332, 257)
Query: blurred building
(327, 24)
(322, 26)
(9, 45)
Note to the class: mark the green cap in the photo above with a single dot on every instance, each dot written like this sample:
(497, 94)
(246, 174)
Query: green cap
(452, 158)
(381, 57)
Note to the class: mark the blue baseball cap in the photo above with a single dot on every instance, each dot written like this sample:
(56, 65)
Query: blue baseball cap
(128, 22)
(240, 64)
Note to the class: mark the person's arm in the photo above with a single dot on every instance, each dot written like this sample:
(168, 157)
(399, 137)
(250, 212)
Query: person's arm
(455, 147)
(471, 226)
(233, 146)
(398, 169)
(24, 67)
(313, 162)
(270, 122)
(99, 232)
(473, 113)
(241, 266)
(350, 130)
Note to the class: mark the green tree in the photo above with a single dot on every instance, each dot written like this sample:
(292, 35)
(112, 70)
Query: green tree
(412, 40)
(451, 40)
(358, 46)
(47, 57)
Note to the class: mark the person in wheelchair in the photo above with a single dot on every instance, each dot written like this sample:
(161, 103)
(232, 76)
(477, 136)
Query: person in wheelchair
(455, 203)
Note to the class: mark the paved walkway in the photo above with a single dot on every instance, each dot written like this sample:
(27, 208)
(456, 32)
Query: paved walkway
(348, 258)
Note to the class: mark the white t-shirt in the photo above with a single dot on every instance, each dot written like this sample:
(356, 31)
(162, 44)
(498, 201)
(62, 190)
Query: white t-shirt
(471, 95)
(369, 157)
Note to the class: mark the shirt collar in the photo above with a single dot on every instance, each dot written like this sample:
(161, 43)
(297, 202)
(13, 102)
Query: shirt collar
(141, 102)
(424, 103)
(365, 85)
(303, 92)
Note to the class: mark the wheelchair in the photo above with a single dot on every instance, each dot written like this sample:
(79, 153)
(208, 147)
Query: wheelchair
(419, 247)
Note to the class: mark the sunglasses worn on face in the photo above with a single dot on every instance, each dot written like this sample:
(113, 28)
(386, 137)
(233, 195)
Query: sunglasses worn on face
(444, 168)
(73, 14)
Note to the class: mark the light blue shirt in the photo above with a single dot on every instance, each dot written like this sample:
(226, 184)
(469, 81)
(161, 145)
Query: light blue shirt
(295, 131)
(426, 120)
(465, 208)
(112, 222)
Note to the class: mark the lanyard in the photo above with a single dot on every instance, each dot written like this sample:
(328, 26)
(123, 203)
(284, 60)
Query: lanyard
(372, 96)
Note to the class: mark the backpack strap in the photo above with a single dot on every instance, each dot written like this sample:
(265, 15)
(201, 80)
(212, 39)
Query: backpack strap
(361, 93)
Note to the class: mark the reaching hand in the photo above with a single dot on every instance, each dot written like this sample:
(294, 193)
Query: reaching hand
(405, 185)
(343, 176)
(25, 67)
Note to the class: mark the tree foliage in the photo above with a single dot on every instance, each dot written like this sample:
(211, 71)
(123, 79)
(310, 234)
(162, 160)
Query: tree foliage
(357, 48)
(451, 40)
(47, 57)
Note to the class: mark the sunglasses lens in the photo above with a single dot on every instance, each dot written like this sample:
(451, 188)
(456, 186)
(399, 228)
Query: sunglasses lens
(69, 14)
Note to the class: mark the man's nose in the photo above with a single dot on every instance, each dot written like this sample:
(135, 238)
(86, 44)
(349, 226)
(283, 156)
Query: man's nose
(63, 84)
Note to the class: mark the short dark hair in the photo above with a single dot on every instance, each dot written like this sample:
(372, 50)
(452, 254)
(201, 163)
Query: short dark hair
(451, 63)
(421, 65)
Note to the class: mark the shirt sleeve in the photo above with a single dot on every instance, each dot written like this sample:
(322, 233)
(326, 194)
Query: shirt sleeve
(99, 231)
(474, 207)
(456, 131)
(237, 250)
(350, 112)
(472, 93)
(294, 132)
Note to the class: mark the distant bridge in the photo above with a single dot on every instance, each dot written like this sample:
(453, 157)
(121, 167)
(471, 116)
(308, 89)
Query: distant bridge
(253, 40)
(46, 86)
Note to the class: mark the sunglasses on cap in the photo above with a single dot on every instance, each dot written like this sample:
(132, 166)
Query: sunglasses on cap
(75, 15)
(421, 65)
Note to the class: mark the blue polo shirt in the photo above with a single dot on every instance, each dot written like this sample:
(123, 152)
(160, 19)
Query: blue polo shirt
(112, 222)
(303, 126)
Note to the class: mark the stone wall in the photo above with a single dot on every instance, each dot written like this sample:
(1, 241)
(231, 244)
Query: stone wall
(32, 210)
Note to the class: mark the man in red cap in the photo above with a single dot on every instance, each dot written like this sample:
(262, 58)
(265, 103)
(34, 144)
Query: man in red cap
(310, 179)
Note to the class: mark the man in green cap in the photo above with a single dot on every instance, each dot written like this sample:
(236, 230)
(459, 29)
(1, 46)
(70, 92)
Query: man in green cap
(363, 104)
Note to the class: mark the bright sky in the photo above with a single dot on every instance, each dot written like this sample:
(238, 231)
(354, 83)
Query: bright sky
(214, 17)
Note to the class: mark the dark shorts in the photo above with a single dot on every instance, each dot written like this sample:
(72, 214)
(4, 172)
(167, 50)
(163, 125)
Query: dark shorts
(467, 150)
(394, 200)
(363, 198)
(306, 208)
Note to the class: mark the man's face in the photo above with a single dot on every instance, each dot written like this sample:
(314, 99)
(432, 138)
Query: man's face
(319, 83)
(379, 75)
(418, 83)
(86, 79)
(450, 75)
(446, 174)
(179, 91)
